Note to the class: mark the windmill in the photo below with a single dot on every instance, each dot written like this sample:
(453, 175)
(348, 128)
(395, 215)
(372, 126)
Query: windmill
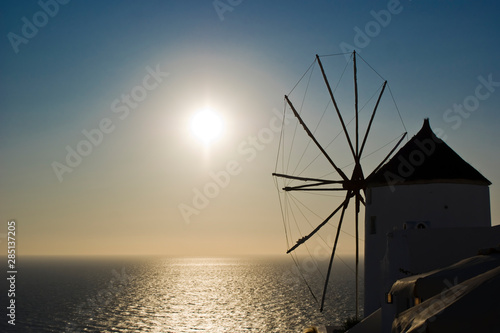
(352, 184)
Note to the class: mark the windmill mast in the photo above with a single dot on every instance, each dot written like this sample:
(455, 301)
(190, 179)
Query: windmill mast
(356, 171)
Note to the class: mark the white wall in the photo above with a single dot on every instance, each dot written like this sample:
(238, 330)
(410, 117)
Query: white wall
(421, 251)
(442, 205)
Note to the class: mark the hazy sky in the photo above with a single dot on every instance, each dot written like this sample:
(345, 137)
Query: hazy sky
(129, 76)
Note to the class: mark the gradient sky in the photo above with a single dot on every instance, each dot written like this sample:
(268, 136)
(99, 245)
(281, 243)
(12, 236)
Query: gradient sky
(124, 197)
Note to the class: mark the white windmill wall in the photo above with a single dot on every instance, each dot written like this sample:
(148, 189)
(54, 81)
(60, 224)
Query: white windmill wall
(432, 205)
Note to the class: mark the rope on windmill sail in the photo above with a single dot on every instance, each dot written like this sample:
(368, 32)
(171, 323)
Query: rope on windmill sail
(373, 69)
(281, 144)
(365, 156)
(304, 279)
(318, 123)
(296, 84)
(317, 126)
(295, 201)
(314, 261)
(291, 216)
(336, 136)
(393, 99)
(399, 113)
(324, 241)
(283, 213)
(324, 194)
(329, 100)
(296, 124)
(335, 54)
(295, 260)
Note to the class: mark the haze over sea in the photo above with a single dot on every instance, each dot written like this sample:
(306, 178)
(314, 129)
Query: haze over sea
(171, 295)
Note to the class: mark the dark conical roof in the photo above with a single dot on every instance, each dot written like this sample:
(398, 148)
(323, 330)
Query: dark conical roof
(426, 159)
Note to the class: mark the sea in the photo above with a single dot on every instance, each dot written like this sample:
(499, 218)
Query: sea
(165, 294)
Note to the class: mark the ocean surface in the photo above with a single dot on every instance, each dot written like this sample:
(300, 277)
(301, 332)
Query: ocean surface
(170, 295)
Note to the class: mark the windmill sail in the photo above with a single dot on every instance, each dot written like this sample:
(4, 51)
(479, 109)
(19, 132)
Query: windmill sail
(318, 175)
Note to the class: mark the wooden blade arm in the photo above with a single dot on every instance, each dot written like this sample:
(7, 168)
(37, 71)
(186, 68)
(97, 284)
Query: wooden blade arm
(335, 105)
(341, 173)
(307, 179)
(389, 155)
(305, 238)
(310, 187)
(344, 207)
(371, 119)
(299, 188)
(356, 157)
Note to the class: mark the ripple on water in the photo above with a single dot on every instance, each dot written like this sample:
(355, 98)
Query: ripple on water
(188, 295)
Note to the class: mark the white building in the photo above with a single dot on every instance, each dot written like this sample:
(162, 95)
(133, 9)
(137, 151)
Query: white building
(425, 197)
(462, 297)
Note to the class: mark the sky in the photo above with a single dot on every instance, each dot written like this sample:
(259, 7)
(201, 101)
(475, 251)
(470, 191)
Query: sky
(120, 81)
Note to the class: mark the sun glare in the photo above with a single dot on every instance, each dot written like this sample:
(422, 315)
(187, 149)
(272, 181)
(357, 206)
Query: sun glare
(207, 126)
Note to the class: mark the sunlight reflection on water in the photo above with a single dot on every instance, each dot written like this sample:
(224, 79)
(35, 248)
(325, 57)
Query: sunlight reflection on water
(192, 295)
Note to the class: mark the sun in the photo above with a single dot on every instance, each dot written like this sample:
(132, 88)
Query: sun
(207, 126)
